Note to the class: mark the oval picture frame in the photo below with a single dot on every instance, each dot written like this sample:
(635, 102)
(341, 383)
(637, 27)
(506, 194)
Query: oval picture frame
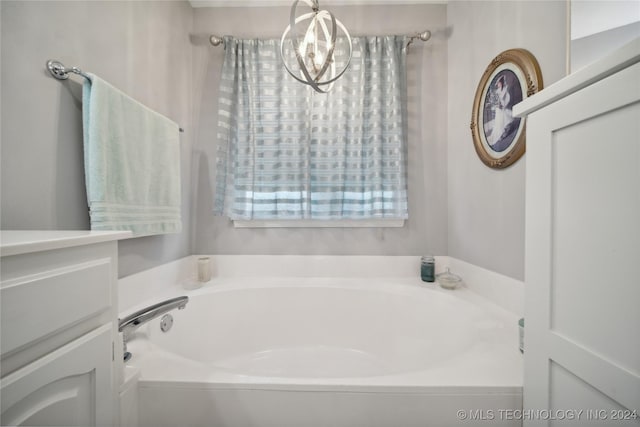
(498, 137)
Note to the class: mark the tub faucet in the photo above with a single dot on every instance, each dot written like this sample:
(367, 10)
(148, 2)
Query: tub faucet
(132, 322)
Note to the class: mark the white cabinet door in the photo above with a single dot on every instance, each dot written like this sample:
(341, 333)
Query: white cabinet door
(68, 387)
(582, 345)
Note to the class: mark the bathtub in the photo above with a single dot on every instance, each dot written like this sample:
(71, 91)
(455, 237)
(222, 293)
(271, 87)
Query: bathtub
(308, 351)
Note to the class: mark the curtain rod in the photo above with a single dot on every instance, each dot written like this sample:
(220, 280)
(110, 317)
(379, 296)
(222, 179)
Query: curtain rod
(60, 72)
(422, 36)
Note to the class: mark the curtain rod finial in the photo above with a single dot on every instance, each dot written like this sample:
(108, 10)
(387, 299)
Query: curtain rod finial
(425, 35)
(215, 40)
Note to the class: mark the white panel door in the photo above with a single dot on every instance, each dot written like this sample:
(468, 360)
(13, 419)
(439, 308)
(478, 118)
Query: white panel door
(68, 387)
(582, 302)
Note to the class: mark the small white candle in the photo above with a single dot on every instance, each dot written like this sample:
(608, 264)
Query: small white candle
(204, 269)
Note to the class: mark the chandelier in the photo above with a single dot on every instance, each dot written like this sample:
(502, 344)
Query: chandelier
(315, 58)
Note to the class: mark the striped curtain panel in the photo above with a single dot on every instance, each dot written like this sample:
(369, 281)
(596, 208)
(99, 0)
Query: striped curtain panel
(288, 152)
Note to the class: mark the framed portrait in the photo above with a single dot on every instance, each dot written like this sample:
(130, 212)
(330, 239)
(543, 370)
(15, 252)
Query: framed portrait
(498, 136)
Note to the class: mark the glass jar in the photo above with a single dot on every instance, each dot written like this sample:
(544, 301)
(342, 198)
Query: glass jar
(428, 268)
(448, 280)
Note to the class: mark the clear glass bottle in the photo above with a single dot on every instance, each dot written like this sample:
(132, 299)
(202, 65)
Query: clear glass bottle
(428, 268)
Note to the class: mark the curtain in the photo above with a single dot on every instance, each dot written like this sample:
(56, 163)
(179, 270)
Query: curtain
(288, 152)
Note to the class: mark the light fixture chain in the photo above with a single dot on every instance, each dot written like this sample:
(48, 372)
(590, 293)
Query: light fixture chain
(296, 47)
(329, 58)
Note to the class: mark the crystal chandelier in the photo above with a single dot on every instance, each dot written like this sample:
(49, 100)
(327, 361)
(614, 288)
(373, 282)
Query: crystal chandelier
(315, 63)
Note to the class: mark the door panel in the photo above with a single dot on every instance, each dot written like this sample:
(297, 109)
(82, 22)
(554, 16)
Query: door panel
(583, 253)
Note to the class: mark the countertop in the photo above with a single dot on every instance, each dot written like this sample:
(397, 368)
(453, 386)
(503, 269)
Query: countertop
(15, 242)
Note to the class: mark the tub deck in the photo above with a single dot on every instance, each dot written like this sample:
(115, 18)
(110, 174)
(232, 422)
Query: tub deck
(375, 352)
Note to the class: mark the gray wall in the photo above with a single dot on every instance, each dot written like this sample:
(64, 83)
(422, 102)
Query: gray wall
(588, 49)
(141, 47)
(425, 231)
(487, 206)
(158, 53)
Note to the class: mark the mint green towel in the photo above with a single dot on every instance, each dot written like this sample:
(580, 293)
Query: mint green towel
(131, 162)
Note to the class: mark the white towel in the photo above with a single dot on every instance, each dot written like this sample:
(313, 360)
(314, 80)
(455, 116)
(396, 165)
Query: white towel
(132, 163)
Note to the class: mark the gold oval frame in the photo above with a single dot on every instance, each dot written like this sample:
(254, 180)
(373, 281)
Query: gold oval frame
(528, 66)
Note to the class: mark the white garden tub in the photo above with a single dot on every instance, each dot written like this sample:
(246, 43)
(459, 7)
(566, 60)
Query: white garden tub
(329, 352)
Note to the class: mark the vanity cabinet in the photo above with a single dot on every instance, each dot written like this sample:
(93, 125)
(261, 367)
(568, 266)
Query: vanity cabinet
(58, 328)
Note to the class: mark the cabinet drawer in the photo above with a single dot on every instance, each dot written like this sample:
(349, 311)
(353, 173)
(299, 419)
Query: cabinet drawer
(46, 302)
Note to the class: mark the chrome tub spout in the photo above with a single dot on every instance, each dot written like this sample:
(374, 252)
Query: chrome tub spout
(132, 322)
